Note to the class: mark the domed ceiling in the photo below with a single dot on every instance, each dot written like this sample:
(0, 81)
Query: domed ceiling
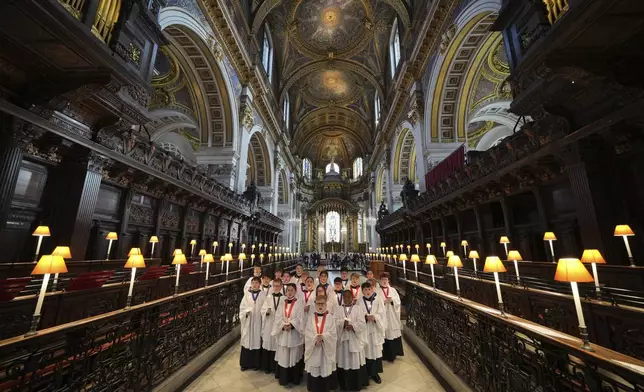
(332, 55)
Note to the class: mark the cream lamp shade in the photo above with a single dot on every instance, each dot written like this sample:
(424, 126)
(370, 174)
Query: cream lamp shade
(215, 243)
(454, 261)
(62, 251)
(177, 252)
(154, 239)
(464, 243)
(193, 242)
(494, 264)
(443, 244)
(514, 255)
(202, 252)
(474, 255)
(111, 236)
(449, 254)
(504, 240)
(403, 257)
(50, 264)
(592, 256)
(621, 230)
(431, 259)
(549, 236)
(227, 257)
(135, 261)
(134, 251)
(179, 259)
(572, 270)
(208, 258)
(42, 231)
(415, 258)
(242, 256)
(428, 245)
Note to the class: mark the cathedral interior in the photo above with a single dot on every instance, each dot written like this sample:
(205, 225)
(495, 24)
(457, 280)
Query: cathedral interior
(484, 153)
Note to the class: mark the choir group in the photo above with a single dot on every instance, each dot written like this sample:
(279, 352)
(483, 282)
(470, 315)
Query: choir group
(337, 333)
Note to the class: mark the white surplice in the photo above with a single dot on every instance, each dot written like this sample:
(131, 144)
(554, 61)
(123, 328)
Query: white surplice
(250, 315)
(351, 344)
(392, 310)
(308, 298)
(320, 360)
(289, 344)
(248, 283)
(356, 292)
(269, 310)
(334, 301)
(375, 331)
(346, 283)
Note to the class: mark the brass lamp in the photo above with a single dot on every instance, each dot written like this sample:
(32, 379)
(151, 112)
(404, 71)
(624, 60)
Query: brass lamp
(177, 252)
(409, 249)
(228, 257)
(46, 266)
(429, 247)
(215, 244)
(153, 240)
(444, 246)
(464, 244)
(65, 253)
(431, 260)
(202, 253)
(625, 231)
(241, 257)
(449, 254)
(230, 248)
(495, 265)
(208, 258)
(416, 246)
(515, 256)
(573, 271)
(455, 262)
(40, 232)
(134, 261)
(505, 241)
(415, 259)
(111, 237)
(134, 251)
(550, 237)
(178, 260)
(593, 257)
(193, 243)
(474, 255)
(403, 258)
(261, 258)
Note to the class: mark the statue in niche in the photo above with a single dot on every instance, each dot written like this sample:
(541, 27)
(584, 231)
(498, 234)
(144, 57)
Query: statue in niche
(408, 192)
(383, 211)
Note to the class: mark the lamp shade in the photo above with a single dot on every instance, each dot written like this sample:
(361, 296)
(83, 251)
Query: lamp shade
(208, 258)
(242, 256)
(623, 230)
(428, 245)
(415, 258)
(42, 231)
(134, 251)
(474, 255)
(592, 256)
(572, 270)
(111, 236)
(464, 243)
(135, 261)
(494, 264)
(50, 264)
(154, 239)
(62, 251)
(403, 257)
(193, 242)
(179, 259)
(549, 236)
(504, 240)
(177, 252)
(227, 257)
(215, 243)
(431, 259)
(514, 255)
(454, 261)
(443, 244)
(202, 252)
(449, 254)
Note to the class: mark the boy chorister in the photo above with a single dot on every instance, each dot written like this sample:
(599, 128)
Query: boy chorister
(393, 342)
(257, 273)
(344, 274)
(287, 330)
(250, 314)
(286, 278)
(269, 310)
(321, 345)
(335, 300)
(354, 287)
(324, 281)
(375, 331)
(351, 323)
(266, 285)
(308, 296)
(298, 278)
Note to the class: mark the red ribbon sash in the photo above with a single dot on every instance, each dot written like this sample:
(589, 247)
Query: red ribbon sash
(307, 295)
(319, 327)
(354, 292)
(287, 311)
(385, 291)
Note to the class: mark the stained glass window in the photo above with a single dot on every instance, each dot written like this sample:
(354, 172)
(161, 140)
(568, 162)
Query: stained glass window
(332, 226)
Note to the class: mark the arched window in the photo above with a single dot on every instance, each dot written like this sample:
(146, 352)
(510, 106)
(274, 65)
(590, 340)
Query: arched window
(332, 166)
(267, 53)
(394, 48)
(376, 108)
(287, 111)
(357, 168)
(332, 227)
(306, 169)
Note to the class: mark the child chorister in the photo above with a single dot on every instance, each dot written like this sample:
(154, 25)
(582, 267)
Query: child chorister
(375, 331)
(351, 324)
(354, 287)
(266, 285)
(257, 273)
(269, 313)
(324, 282)
(335, 300)
(250, 314)
(288, 327)
(321, 345)
(344, 275)
(392, 346)
(308, 297)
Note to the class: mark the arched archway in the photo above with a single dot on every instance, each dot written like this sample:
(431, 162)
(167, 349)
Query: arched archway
(259, 168)
(282, 188)
(404, 156)
(381, 186)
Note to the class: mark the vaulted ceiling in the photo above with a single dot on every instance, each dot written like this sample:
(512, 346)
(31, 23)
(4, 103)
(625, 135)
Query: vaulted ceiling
(331, 58)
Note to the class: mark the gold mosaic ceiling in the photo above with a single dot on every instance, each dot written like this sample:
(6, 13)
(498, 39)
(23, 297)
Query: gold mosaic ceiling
(332, 57)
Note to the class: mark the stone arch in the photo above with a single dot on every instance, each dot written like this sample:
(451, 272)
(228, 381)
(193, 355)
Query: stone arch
(259, 161)
(404, 157)
(213, 89)
(282, 187)
(381, 186)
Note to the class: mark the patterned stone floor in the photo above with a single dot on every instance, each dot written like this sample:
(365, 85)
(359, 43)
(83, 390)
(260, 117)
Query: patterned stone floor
(407, 374)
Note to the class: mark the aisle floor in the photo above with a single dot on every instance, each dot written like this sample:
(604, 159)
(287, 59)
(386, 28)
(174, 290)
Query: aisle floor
(407, 374)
